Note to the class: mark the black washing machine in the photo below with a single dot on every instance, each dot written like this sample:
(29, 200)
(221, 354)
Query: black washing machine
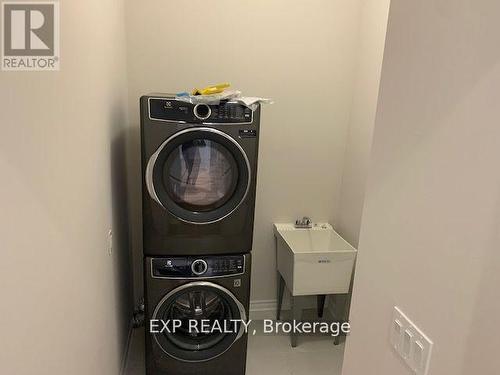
(199, 167)
(210, 290)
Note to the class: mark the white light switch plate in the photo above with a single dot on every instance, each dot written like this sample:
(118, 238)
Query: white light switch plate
(410, 343)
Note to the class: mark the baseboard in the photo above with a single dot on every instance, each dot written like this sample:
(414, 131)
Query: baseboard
(266, 309)
(127, 347)
(264, 305)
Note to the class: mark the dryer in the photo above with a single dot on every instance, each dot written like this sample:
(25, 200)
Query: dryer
(199, 176)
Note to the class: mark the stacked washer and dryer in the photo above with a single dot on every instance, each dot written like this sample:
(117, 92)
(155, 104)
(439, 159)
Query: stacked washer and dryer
(199, 167)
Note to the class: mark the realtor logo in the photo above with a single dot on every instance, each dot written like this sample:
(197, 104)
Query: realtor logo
(30, 39)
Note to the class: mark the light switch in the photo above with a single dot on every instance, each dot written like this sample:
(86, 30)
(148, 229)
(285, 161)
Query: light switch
(412, 345)
(397, 330)
(407, 340)
(418, 353)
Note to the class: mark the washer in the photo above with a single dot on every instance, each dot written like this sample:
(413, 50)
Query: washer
(199, 167)
(196, 289)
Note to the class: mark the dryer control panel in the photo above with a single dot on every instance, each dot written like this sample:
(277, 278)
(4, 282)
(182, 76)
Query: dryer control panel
(197, 267)
(173, 110)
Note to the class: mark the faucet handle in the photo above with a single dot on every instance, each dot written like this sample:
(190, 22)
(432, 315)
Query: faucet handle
(305, 222)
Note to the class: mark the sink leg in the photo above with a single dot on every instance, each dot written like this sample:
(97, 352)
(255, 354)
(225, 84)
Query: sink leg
(321, 304)
(296, 316)
(281, 289)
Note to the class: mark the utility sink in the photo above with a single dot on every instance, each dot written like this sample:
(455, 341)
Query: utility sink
(314, 261)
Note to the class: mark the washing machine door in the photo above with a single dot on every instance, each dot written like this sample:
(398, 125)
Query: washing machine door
(203, 320)
(200, 175)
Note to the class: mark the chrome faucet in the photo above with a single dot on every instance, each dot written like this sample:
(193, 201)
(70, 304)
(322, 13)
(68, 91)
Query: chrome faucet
(303, 223)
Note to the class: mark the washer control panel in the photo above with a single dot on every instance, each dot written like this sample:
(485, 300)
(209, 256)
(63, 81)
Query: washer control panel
(202, 267)
(172, 110)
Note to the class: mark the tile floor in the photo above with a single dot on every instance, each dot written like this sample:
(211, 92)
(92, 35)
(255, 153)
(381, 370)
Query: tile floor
(313, 355)
(268, 354)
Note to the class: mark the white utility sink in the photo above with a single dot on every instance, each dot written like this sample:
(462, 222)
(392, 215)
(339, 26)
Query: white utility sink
(314, 261)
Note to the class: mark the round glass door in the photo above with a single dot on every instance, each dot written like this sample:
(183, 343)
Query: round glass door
(200, 175)
(204, 318)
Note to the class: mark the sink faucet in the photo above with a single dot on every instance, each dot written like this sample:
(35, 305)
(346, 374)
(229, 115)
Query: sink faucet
(303, 223)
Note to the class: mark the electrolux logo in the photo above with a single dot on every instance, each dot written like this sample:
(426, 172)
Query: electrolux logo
(30, 38)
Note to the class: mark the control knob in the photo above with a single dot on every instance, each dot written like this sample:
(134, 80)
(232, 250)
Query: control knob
(199, 267)
(202, 111)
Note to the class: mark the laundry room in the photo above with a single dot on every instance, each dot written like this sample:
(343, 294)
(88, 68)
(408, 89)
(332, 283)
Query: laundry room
(248, 187)
(304, 58)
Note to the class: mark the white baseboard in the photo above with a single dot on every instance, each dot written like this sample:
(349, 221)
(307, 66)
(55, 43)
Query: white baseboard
(264, 305)
(266, 309)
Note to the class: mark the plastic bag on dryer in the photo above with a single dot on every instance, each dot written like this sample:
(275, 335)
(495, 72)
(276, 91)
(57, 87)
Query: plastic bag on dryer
(231, 95)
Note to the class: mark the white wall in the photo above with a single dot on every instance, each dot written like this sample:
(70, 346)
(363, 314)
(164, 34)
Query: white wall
(371, 42)
(299, 53)
(431, 223)
(65, 306)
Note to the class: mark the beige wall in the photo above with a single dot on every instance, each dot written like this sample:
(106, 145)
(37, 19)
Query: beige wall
(431, 222)
(65, 307)
(371, 41)
(299, 53)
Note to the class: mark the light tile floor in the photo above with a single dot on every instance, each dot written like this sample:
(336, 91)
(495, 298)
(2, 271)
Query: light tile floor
(268, 354)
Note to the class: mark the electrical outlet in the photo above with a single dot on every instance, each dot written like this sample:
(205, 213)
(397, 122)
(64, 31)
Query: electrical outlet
(110, 242)
(412, 345)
